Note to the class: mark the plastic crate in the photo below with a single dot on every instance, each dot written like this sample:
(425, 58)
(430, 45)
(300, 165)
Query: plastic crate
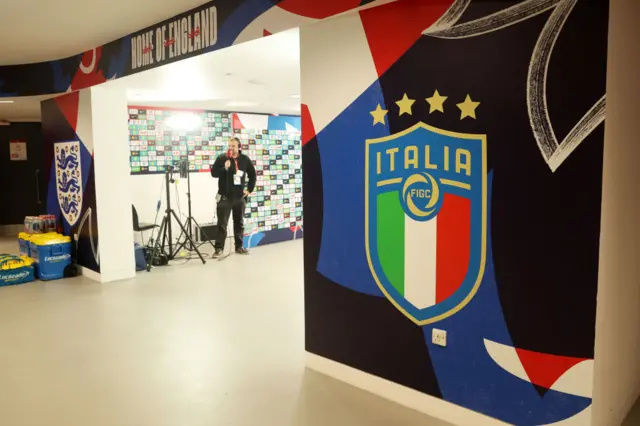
(51, 259)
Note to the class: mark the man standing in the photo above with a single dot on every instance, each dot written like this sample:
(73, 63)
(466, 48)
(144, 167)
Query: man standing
(236, 181)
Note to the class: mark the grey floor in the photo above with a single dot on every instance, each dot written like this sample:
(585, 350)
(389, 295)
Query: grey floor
(187, 345)
(192, 345)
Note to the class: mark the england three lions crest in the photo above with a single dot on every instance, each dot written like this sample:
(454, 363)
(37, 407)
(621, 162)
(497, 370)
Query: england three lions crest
(69, 179)
(425, 219)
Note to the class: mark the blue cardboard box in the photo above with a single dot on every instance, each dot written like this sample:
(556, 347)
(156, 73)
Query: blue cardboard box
(15, 270)
(16, 276)
(25, 245)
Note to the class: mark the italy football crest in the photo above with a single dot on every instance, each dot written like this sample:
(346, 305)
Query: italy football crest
(69, 179)
(425, 219)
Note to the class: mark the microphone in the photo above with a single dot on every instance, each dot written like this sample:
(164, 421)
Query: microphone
(230, 157)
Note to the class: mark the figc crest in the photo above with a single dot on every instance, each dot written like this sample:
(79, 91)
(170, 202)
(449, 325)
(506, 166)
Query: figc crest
(425, 219)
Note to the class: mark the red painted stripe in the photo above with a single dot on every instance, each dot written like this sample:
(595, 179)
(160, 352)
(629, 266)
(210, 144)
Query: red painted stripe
(406, 20)
(452, 245)
(236, 122)
(545, 369)
(68, 105)
(308, 131)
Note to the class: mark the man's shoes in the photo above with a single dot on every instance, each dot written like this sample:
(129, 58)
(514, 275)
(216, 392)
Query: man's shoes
(242, 250)
(217, 253)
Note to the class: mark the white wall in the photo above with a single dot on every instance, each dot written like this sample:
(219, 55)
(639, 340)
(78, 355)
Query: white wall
(617, 351)
(111, 162)
(146, 190)
(421, 402)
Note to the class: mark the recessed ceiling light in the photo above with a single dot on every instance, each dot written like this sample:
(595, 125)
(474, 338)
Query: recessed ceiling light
(5, 102)
(294, 96)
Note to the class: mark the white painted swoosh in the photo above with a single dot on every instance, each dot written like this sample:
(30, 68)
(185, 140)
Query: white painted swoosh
(553, 151)
(92, 65)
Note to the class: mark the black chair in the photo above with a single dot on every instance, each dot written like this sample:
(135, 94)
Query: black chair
(140, 227)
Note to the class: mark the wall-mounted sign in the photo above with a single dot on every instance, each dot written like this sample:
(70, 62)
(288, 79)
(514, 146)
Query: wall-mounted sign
(186, 35)
(18, 150)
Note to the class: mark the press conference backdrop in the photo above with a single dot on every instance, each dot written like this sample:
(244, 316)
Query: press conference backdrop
(163, 136)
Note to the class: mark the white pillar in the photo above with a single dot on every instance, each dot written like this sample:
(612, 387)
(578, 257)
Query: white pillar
(617, 346)
(113, 192)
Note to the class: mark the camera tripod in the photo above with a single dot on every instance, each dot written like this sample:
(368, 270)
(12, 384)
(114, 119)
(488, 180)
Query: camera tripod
(165, 233)
(188, 243)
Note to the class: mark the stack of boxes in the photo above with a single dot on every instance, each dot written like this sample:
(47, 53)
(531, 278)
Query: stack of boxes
(44, 253)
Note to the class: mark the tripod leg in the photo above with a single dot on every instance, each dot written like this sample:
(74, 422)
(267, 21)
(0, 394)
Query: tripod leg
(190, 225)
(179, 245)
(188, 237)
(156, 244)
(164, 234)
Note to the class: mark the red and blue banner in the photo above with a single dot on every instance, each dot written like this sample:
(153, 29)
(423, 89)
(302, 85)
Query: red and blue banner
(212, 26)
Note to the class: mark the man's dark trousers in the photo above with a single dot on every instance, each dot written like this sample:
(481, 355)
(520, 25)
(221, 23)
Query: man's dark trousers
(224, 209)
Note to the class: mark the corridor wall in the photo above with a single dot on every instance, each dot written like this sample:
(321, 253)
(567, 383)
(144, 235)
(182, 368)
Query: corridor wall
(453, 172)
(452, 181)
(88, 171)
(68, 164)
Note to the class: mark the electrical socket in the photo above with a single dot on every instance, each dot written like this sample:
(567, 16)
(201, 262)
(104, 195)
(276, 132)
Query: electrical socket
(439, 337)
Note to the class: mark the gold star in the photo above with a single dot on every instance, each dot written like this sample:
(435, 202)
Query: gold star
(436, 102)
(378, 115)
(468, 108)
(405, 104)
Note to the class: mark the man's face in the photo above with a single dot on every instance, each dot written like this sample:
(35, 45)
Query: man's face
(233, 146)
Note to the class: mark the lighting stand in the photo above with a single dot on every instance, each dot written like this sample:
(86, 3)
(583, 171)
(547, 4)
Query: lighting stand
(187, 243)
(165, 233)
